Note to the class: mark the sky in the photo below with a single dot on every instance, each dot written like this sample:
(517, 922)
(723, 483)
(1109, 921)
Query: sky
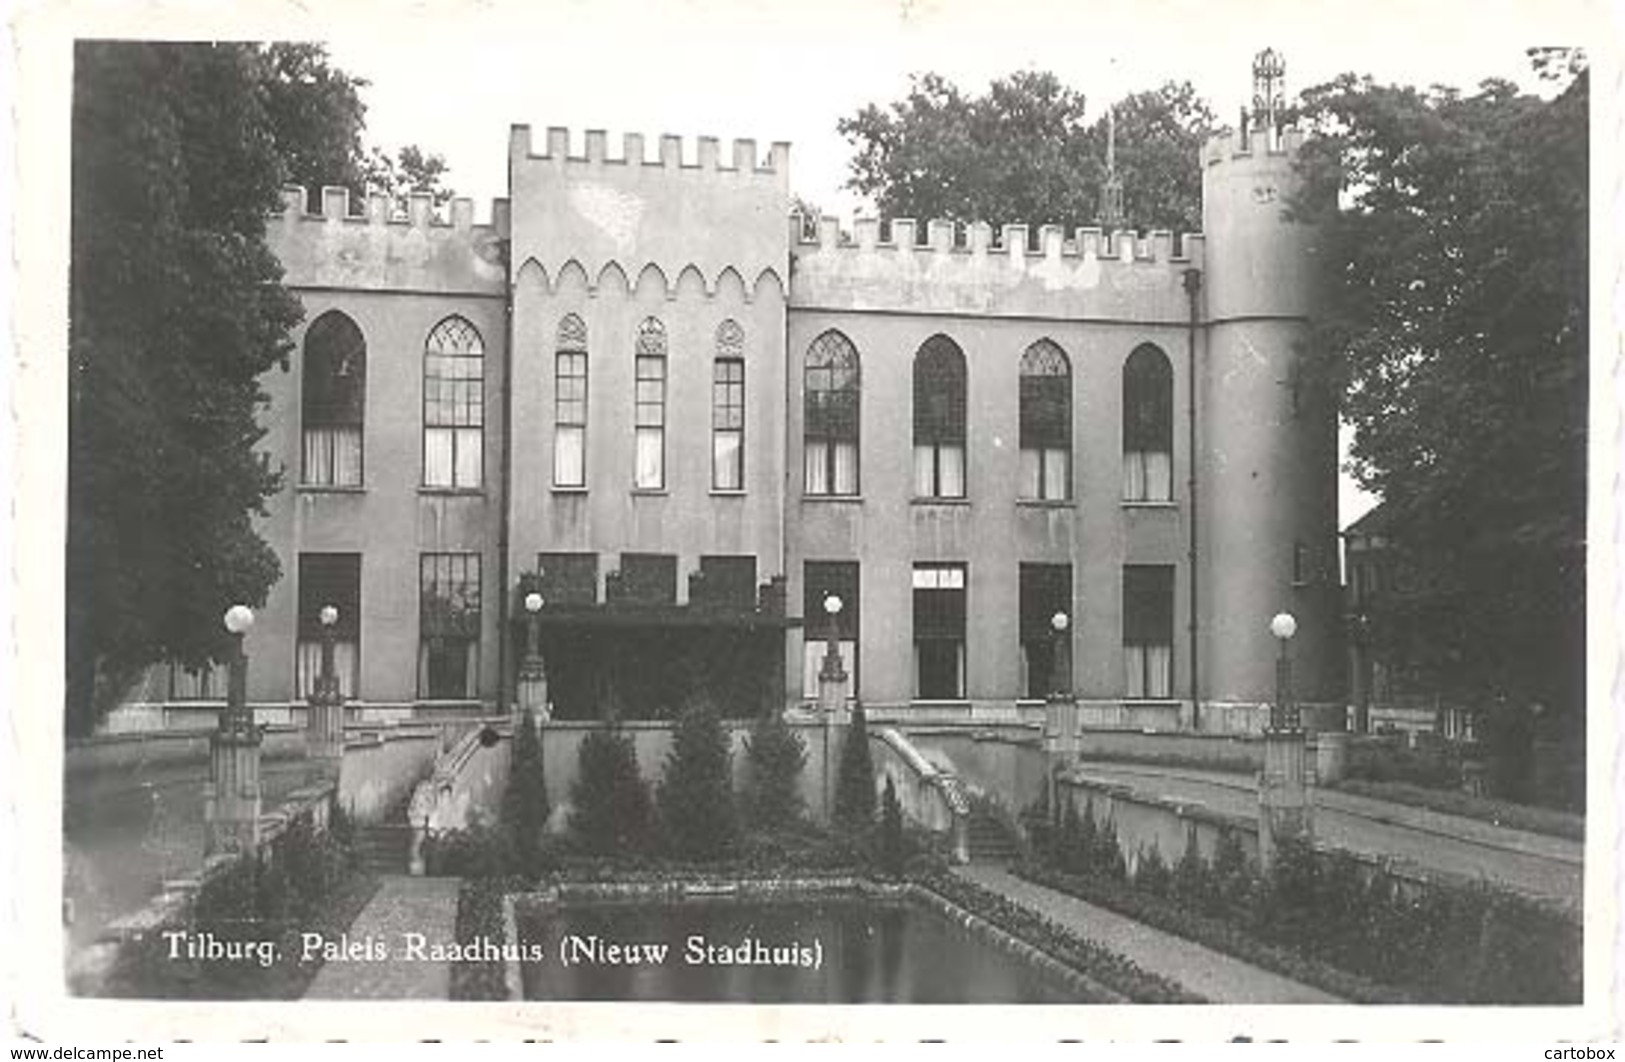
(453, 78)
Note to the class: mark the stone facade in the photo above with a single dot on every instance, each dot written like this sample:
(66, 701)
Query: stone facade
(589, 250)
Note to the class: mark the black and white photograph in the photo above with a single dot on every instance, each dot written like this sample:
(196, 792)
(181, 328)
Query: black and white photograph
(1007, 512)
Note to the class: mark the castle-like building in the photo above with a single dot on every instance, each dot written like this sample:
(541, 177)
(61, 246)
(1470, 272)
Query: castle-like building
(646, 392)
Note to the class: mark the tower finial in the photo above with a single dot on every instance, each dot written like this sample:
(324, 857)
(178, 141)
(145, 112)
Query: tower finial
(1269, 70)
(1111, 193)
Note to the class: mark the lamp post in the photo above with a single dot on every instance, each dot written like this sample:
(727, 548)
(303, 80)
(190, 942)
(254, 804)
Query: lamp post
(831, 687)
(232, 803)
(1284, 812)
(533, 669)
(1060, 709)
(324, 719)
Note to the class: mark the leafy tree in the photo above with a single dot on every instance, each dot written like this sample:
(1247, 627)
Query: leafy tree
(1455, 228)
(316, 116)
(525, 807)
(1025, 153)
(409, 170)
(611, 813)
(775, 756)
(855, 778)
(696, 792)
(175, 311)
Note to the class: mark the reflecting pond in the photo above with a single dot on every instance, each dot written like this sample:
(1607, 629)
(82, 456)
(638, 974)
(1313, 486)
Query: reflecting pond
(816, 951)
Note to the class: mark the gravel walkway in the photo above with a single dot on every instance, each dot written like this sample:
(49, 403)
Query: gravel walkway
(1219, 977)
(401, 906)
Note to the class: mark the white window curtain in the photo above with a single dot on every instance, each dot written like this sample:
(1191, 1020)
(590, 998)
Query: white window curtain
(812, 659)
(1057, 480)
(951, 462)
(308, 659)
(1149, 672)
(1030, 484)
(726, 461)
(651, 458)
(471, 668)
(846, 468)
(925, 464)
(470, 471)
(1148, 476)
(569, 456)
(437, 457)
(816, 460)
(333, 457)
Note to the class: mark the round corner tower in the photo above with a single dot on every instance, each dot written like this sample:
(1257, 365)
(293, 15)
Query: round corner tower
(1268, 464)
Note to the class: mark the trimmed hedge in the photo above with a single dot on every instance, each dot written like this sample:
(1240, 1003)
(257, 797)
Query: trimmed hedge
(479, 916)
(1108, 968)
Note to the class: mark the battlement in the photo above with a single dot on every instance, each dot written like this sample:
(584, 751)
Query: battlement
(1252, 143)
(977, 240)
(744, 161)
(381, 210)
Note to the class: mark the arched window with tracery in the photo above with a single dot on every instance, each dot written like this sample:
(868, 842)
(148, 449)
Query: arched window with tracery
(1046, 423)
(454, 406)
(939, 419)
(832, 398)
(728, 408)
(333, 402)
(650, 406)
(1148, 426)
(570, 403)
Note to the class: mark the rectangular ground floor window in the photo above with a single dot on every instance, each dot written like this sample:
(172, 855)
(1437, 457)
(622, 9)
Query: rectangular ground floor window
(820, 580)
(449, 626)
(939, 632)
(1045, 590)
(1148, 631)
(328, 579)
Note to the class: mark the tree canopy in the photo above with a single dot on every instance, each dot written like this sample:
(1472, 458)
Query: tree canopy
(1457, 323)
(1025, 152)
(176, 309)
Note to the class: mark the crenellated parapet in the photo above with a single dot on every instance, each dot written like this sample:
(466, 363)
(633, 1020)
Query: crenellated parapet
(390, 244)
(742, 164)
(1250, 144)
(644, 224)
(953, 268)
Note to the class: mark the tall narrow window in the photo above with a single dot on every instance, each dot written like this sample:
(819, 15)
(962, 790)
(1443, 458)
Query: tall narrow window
(1045, 590)
(939, 420)
(939, 632)
(1148, 631)
(820, 580)
(1148, 426)
(570, 404)
(650, 401)
(833, 392)
(1046, 423)
(453, 406)
(449, 626)
(329, 579)
(728, 409)
(333, 401)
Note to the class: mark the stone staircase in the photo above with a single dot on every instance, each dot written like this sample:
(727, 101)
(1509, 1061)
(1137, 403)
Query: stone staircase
(989, 838)
(384, 848)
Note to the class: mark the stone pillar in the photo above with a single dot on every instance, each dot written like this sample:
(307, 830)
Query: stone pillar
(1284, 811)
(1060, 715)
(833, 711)
(533, 673)
(232, 801)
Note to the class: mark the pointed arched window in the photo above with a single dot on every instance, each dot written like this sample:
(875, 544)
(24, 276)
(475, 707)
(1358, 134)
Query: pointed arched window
(570, 404)
(728, 408)
(1046, 423)
(650, 406)
(333, 402)
(939, 419)
(1148, 426)
(454, 406)
(832, 398)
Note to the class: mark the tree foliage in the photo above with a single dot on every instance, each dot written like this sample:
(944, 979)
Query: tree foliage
(175, 311)
(855, 778)
(1025, 153)
(611, 813)
(696, 791)
(1458, 316)
(525, 807)
(775, 756)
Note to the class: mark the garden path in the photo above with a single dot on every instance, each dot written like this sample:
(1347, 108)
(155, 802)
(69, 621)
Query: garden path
(1212, 974)
(401, 905)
